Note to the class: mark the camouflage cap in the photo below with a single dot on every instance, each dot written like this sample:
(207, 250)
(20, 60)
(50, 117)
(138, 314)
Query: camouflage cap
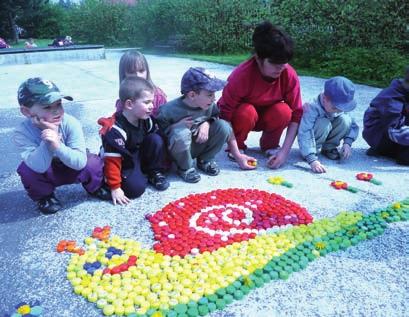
(197, 78)
(40, 91)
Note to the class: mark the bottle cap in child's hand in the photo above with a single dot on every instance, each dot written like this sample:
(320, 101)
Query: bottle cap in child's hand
(252, 162)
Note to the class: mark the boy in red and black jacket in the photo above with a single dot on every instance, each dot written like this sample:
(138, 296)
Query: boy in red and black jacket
(132, 149)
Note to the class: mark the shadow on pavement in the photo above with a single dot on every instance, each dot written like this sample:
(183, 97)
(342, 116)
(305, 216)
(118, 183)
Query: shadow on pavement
(16, 206)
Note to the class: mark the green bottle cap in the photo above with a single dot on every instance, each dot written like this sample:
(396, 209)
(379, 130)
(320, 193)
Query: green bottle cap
(203, 310)
(191, 304)
(283, 275)
(221, 292)
(230, 289)
(192, 312)
(228, 298)
(238, 294)
(266, 277)
(180, 308)
(212, 306)
(245, 289)
(220, 303)
(274, 275)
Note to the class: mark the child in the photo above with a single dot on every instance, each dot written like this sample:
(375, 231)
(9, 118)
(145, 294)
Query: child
(52, 146)
(131, 146)
(134, 63)
(3, 43)
(68, 41)
(30, 43)
(386, 122)
(194, 129)
(263, 94)
(325, 123)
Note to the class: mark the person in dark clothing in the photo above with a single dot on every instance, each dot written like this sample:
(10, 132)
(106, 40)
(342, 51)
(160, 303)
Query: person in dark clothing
(132, 149)
(386, 122)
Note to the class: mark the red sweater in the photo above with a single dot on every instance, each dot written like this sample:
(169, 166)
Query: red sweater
(246, 85)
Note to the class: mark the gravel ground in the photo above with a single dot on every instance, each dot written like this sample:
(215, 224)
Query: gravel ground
(369, 279)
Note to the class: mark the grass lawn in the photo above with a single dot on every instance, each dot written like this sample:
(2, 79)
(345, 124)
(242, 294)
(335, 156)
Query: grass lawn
(314, 71)
(235, 59)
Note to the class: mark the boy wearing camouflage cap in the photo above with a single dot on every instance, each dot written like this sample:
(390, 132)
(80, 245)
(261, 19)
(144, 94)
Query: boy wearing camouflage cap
(52, 147)
(194, 129)
(325, 123)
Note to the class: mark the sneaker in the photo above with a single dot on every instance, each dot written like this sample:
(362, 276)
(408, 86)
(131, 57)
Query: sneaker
(158, 180)
(190, 175)
(272, 152)
(210, 167)
(332, 154)
(102, 193)
(49, 205)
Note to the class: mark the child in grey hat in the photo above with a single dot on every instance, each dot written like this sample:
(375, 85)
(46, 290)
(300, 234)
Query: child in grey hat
(325, 123)
(193, 128)
(386, 122)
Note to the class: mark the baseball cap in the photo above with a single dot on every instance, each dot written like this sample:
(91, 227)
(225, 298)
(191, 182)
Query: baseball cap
(340, 91)
(38, 90)
(199, 78)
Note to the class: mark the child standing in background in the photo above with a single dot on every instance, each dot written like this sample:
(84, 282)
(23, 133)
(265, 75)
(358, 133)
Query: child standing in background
(133, 152)
(325, 123)
(30, 43)
(134, 63)
(386, 122)
(52, 147)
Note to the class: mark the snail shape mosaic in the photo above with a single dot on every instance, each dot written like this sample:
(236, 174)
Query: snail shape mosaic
(212, 249)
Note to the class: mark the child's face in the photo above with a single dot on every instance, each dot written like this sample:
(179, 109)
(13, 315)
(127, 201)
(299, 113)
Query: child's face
(140, 72)
(142, 107)
(269, 69)
(328, 106)
(204, 99)
(52, 113)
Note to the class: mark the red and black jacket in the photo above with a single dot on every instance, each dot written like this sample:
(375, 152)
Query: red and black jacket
(121, 141)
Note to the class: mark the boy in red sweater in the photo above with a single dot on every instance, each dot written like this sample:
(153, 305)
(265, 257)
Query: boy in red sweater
(133, 152)
(263, 94)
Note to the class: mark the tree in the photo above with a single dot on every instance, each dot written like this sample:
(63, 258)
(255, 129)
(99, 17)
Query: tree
(11, 9)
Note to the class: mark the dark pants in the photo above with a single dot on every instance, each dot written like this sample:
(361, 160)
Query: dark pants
(41, 185)
(393, 150)
(149, 158)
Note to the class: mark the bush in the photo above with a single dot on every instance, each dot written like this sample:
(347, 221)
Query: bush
(101, 22)
(364, 39)
(374, 66)
(47, 22)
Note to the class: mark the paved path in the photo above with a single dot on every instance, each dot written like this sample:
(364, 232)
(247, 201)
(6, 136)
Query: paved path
(369, 279)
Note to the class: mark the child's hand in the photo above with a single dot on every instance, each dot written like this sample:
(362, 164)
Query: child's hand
(277, 160)
(346, 151)
(52, 137)
(118, 196)
(42, 124)
(202, 132)
(317, 167)
(243, 160)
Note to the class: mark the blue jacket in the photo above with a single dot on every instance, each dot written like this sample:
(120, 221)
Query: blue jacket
(388, 114)
(306, 140)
